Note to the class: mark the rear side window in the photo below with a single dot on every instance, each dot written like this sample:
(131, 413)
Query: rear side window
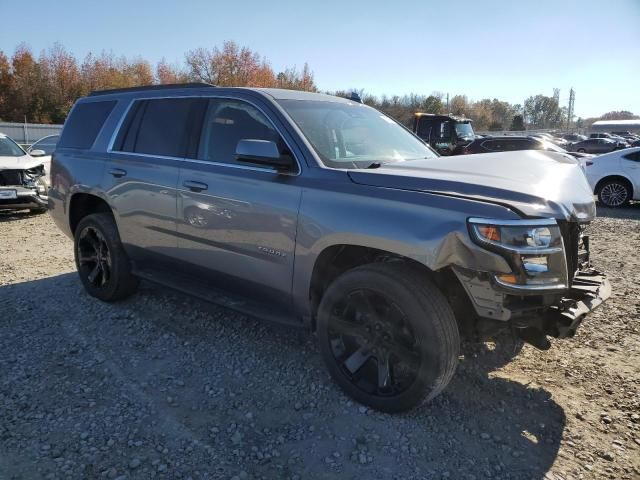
(84, 124)
(492, 145)
(159, 127)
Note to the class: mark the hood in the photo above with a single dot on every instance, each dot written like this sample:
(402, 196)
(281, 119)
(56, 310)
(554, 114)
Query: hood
(534, 183)
(19, 163)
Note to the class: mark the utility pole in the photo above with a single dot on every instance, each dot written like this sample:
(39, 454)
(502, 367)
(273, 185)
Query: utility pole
(448, 111)
(572, 101)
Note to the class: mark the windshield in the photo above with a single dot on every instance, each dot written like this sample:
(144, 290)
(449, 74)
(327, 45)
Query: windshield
(464, 130)
(9, 148)
(352, 135)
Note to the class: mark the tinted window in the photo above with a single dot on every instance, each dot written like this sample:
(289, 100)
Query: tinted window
(84, 124)
(635, 156)
(159, 127)
(493, 145)
(226, 123)
(516, 144)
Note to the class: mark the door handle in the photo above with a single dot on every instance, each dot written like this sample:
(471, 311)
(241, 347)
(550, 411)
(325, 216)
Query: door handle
(117, 172)
(195, 186)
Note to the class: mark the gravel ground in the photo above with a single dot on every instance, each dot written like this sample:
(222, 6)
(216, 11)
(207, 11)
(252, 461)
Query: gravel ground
(165, 386)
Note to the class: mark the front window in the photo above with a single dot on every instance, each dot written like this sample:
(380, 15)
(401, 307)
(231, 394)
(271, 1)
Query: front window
(464, 131)
(9, 148)
(350, 135)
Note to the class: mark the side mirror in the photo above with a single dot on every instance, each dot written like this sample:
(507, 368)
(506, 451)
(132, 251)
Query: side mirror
(263, 152)
(37, 153)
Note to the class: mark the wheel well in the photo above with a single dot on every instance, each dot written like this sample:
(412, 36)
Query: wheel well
(619, 178)
(337, 259)
(83, 204)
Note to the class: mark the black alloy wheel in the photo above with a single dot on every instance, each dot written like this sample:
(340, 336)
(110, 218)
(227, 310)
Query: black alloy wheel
(94, 257)
(102, 263)
(388, 335)
(374, 344)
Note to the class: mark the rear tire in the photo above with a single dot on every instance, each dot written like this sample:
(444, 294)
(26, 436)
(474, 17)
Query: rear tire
(102, 263)
(388, 336)
(582, 150)
(614, 193)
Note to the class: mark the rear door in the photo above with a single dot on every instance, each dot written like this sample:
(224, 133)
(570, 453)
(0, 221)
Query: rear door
(630, 164)
(235, 220)
(142, 174)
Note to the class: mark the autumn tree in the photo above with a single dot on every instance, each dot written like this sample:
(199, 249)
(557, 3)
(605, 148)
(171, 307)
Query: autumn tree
(168, 74)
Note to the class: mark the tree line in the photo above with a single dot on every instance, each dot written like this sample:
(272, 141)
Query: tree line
(43, 89)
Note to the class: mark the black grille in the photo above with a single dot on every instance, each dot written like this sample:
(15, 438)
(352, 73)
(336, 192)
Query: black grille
(11, 177)
(571, 238)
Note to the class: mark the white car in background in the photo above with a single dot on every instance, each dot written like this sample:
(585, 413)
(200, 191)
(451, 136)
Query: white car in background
(24, 178)
(615, 177)
(43, 149)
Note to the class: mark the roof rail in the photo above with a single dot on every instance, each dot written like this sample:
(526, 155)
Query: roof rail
(167, 86)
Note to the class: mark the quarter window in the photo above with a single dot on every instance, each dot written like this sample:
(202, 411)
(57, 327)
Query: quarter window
(84, 124)
(229, 121)
(634, 156)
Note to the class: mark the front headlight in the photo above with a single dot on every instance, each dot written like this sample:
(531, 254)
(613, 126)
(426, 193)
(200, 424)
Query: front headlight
(533, 248)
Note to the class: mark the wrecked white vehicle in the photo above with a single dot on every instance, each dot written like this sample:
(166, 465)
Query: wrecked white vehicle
(23, 178)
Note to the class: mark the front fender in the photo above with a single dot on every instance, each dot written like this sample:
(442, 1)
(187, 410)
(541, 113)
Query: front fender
(429, 229)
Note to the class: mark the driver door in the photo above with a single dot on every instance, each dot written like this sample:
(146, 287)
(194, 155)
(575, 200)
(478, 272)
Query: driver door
(236, 219)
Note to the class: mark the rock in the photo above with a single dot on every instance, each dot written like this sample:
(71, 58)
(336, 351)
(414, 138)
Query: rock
(236, 438)
(607, 456)
(485, 436)
(134, 463)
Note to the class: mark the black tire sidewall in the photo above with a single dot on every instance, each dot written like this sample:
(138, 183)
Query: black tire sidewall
(429, 337)
(120, 268)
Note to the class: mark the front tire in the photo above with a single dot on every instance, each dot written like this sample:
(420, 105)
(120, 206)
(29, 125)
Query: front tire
(614, 193)
(102, 263)
(388, 336)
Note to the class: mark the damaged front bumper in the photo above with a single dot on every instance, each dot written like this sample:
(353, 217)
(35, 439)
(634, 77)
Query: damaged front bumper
(14, 197)
(589, 289)
(537, 315)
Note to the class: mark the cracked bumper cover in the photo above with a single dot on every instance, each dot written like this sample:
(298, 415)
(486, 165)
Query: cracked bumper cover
(557, 314)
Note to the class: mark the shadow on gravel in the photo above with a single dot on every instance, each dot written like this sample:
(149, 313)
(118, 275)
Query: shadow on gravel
(181, 385)
(630, 212)
(11, 215)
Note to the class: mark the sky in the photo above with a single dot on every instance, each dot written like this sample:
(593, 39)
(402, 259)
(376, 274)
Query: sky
(508, 50)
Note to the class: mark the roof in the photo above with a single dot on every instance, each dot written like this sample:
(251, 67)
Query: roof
(169, 86)
(617, 123)
(275, 93)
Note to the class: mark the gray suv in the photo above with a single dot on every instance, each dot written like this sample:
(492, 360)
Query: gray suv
(322, 212)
